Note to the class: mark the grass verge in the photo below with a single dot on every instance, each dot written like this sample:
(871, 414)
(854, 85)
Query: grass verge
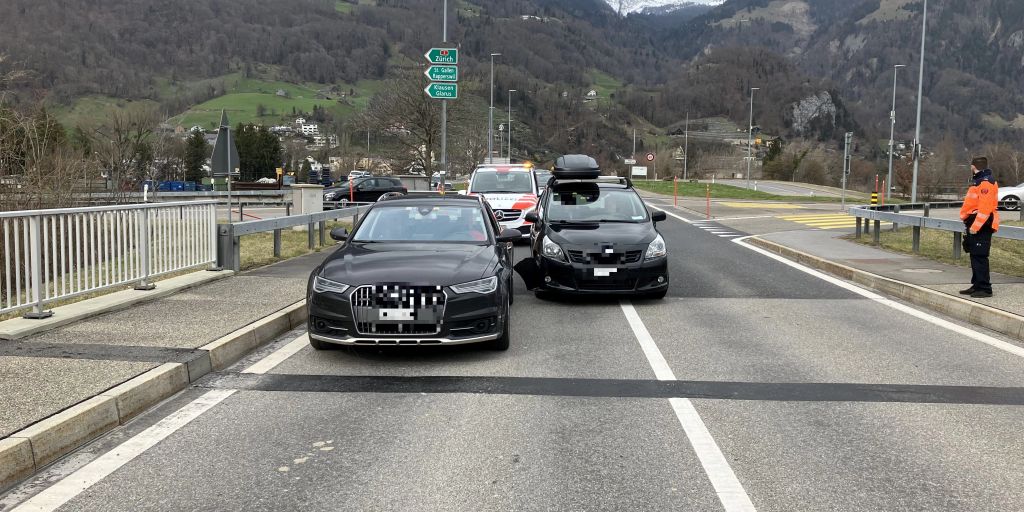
(1007, 256)
(719, 191)
(258, 250)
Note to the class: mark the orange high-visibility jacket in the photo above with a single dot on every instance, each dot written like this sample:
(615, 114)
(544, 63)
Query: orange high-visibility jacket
(982, 201)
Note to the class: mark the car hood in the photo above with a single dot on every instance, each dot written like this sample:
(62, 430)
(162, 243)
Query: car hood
(409, 263)
(588, 235)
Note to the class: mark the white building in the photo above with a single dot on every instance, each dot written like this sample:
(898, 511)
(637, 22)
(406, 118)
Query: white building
(310, 130)
(300, 121)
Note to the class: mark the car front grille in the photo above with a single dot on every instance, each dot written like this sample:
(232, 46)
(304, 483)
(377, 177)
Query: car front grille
(510, 214)
(606, 259)
(415, 309)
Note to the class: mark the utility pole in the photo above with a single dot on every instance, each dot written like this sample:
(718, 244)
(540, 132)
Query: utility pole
(686, 146)
(490, 113)
(920, 93)
(750, 133)
(892, 130)
(634, 142)
(510, 91)
(846, 166)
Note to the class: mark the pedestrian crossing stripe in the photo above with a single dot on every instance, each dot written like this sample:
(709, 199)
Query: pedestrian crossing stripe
(829, 221)
(767, 206)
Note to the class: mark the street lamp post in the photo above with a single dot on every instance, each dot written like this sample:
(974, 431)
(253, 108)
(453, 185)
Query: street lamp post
(750, 133)
(510, 91)
(490, 116)
(892, 130)
(686, 146)
(920, 93)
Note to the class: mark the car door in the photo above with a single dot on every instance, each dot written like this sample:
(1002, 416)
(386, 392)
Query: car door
(366, 190)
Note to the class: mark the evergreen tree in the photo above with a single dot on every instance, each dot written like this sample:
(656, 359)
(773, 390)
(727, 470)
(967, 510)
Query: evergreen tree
(196, 153)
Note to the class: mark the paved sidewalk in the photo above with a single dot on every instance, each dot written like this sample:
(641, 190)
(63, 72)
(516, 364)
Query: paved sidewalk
(949, 279)
(49, 372)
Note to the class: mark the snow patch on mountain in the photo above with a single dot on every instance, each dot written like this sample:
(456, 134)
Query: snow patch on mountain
(630, 6)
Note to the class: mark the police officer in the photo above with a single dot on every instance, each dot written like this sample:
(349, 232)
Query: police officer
(981, 219)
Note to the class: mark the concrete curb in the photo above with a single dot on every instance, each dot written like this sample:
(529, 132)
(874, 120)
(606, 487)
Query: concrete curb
(968, 311)
(18, 328)
(27, 451)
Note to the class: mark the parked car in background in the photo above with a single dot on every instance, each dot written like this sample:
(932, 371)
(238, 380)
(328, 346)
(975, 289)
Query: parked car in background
(1010, 197)
(369, 190)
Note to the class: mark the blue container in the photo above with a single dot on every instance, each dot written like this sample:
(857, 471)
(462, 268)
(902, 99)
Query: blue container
(190, 186)
(164, 186)
(177, 186)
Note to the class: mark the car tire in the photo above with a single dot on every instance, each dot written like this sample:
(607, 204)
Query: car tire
(1015, 203)
(502, 342)
(320, 345)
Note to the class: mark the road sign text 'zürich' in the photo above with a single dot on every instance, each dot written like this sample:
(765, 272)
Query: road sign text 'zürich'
(442, 56)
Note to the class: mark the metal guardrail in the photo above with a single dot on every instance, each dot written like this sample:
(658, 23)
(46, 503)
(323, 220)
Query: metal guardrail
(892, 213)
(229, 235)
(50, 255)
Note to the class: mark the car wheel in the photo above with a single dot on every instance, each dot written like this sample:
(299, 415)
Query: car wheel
(502, 343)
(320, 345)
(343, 203)
(1012, 203)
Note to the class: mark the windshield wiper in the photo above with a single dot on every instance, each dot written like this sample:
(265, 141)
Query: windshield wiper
(617, 220)
(556, 222)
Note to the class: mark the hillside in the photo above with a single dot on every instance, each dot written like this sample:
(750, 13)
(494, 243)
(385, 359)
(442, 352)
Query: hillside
(827, 57)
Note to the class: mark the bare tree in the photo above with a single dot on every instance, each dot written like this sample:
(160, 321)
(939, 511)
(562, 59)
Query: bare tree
(1007, 162)
(123, 146)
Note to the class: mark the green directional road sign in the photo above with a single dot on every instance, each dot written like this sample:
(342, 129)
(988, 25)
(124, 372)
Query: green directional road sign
(442, 56)
(443, 73)
(442, 91)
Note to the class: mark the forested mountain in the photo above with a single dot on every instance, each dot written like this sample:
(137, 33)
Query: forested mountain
(656, 68)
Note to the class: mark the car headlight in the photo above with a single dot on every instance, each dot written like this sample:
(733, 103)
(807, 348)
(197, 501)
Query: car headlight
(656, 249)
(321, 285)
(486, 285)
(552, 250)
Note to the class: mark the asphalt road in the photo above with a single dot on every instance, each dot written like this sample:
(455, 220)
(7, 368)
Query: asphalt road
(753, 385)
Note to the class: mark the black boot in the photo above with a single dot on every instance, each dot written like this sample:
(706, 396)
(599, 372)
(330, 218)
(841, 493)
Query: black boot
(981, 294)
(968, 291)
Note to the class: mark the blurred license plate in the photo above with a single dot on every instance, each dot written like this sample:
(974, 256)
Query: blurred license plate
(396, 314)
(604, 272)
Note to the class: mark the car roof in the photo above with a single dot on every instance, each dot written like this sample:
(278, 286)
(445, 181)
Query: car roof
(433, 200)
(569, 184)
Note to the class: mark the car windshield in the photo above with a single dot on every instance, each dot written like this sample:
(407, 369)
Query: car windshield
(422, 223)
(542, 177)
(494, 181)
(595, 205)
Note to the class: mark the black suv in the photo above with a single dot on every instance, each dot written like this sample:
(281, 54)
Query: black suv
(594, 235)
(365, 190)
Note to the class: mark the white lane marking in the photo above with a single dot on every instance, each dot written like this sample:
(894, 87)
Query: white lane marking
(74, 484)
(279, 356)
(932, 319)
(728, 488)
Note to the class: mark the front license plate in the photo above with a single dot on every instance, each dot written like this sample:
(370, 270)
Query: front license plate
(604, 272)
(396, 314)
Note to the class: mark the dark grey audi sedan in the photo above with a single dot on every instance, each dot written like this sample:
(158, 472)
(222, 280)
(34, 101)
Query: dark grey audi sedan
(416, 271)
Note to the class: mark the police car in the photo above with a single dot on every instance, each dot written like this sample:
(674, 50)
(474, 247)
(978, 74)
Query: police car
(594, 235)
(510, 189)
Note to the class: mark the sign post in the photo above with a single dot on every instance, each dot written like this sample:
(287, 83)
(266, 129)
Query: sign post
(442, 74)
(650, 158)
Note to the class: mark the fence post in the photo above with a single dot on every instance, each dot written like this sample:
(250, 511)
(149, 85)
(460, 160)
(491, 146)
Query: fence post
(917, 240)
(958, 238)
(927, 208)
(867, 226)
(878, 227)
(143, 242)
(288, 209)
(229, 248)
(859, 222)
(323, 238)
(217, 265)
(277, 243)
(895, 209)
(241, 211)
(36, 266)
(309, 231)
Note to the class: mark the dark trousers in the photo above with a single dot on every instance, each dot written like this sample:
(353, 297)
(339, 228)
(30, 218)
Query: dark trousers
(979, 246)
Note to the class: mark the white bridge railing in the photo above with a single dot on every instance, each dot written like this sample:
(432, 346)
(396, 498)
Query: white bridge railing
(51, 255)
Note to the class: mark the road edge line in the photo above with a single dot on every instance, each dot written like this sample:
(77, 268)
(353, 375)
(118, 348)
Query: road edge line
(53, 437)
(855, 280)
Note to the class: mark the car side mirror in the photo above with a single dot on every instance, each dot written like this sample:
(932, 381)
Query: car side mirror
(509, 235)
(659, 216)
(339, 234)
(532, 217)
